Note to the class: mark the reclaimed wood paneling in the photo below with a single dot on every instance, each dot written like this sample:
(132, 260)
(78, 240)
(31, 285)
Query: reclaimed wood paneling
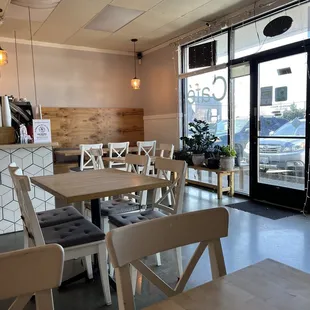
(74, 126)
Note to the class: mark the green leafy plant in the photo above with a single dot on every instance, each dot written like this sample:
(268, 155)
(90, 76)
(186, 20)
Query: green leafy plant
(294, 112)
(228, 151)
(200, 138)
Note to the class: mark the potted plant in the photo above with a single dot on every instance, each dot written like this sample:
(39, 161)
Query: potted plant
(213, 157)
(199, 141)
(227, 161)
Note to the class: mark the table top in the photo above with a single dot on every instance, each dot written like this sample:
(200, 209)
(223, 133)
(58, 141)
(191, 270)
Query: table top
(267, 285)
(87, 185)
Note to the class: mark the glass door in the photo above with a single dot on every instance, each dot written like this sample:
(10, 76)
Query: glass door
(279, 145)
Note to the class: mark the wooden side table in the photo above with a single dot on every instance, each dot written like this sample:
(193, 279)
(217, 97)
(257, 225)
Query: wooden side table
(219, 187)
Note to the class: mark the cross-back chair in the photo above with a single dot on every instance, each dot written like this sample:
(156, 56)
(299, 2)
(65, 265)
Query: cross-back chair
(79, 238)
(31, 271)
(85, 155)
(166, 169)
(133, 201)
(118, 150)
(96, 158)
(147, 148)
(129, 245)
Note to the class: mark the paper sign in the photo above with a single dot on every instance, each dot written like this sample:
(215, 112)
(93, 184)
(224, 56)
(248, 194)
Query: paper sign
(281, 94)
(42, 131)
(266, 96)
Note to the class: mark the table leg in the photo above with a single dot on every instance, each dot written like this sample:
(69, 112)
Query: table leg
(241, 178)
(95, 212)
(231, 184)
(219, 186)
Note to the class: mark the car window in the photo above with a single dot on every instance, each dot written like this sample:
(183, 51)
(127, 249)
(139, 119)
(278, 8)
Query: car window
(222, 126)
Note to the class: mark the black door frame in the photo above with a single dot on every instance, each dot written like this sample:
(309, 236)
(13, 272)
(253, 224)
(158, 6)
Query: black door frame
(272, 194)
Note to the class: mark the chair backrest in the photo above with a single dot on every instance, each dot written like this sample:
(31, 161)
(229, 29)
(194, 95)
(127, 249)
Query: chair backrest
(173, 171)
(33, 270)
(132, 163)
(117, 149)
(96, 157)
(146, 148)
(129, 244)
(85, 155)
(28, 215)
(166, 150)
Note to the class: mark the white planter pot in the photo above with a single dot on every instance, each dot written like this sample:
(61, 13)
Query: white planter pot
(198, 159)
(6, 112)
(227, 163)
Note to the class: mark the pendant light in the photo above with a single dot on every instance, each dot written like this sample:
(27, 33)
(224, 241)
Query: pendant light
(3, 57)
(135, 82)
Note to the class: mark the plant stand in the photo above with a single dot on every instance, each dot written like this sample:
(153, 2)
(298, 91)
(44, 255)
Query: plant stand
(219, 187)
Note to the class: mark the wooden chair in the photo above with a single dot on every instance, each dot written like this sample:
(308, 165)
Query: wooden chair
(128, 245)
(31, 271)
(132, 201)
(176, 189)
(50, 217)
(79, 238)
(147, 148)
(118, 150)
(166, 150)
(85, 159)
(96, 158)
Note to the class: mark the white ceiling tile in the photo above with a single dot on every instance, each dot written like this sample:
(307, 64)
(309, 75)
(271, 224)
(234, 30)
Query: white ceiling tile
(178, 8)
(20, 26)
(20, 12)
(143, 5)
(86, 37)
(67, 18)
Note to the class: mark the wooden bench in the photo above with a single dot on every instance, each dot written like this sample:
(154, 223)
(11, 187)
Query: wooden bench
(219, 187)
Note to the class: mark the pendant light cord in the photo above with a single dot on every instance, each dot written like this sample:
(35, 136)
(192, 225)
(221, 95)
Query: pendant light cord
(134, 56)
(32, 54)
(17, 65)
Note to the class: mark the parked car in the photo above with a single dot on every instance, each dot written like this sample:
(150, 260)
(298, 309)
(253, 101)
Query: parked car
(283, 153)
(242, 130)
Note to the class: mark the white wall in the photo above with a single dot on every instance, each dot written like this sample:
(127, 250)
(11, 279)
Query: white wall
(70, 78)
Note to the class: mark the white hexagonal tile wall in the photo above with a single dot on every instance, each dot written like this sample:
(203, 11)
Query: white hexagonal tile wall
(11, 212)
(33, 162)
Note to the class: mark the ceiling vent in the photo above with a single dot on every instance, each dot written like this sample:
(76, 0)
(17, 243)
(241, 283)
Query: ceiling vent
(37, 4)
(284, 71)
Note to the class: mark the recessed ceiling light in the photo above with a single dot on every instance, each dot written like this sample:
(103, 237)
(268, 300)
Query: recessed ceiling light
(36, 4)
(112, 18)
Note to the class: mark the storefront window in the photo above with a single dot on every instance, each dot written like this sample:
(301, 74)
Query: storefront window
(250, 39)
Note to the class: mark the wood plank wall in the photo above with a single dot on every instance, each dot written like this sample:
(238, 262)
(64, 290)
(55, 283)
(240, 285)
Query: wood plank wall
(74, 126)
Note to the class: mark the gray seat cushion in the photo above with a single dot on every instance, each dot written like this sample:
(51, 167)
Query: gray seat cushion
(58, 216)
(75, 169)
(132, 218)
(72, 233)
(118, 206)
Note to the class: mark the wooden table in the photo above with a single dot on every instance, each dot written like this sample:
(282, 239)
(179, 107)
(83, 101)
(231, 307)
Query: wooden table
(219, 187)
(93, 185)
(122, 159)
(268, 285)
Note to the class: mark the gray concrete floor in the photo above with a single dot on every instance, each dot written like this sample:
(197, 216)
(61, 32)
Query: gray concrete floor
(251, 239)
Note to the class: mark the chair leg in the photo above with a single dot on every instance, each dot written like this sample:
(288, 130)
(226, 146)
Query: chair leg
(158, 259)
(44, 300)
(169, 199)
(26, 239)
(89, 267)
(103, 267)
(134, 275)
(179, 260)
(105, 224)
